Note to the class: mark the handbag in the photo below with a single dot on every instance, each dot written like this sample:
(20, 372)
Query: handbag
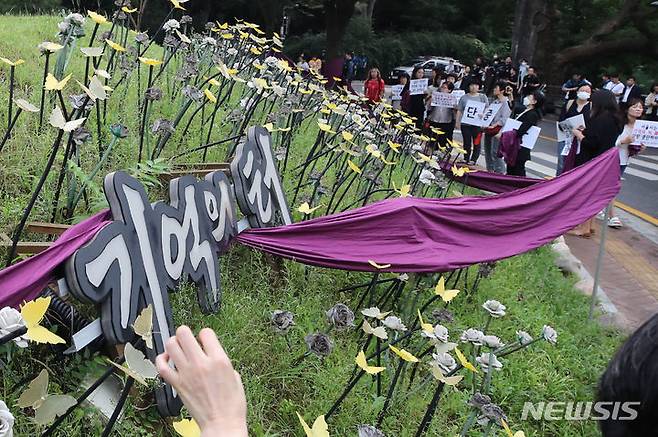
(492, 130)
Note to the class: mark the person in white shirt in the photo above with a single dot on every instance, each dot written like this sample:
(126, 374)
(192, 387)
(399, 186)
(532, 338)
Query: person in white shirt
(615, 86)
(633, 112)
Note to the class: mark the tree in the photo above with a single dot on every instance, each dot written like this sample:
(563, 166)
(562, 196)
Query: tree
(337, 16)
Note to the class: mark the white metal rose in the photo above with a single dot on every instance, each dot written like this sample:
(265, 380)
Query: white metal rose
(472, 335)
(445, 361)
(426, 177)
(495, 308)
(549, 334)
(492, 341)
(489, 360)
(440, 333)
(10, 321)
(523, 337)
(6, 421)
(393, 322)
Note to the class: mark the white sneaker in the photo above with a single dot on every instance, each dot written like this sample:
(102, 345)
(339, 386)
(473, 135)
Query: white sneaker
(614, 222)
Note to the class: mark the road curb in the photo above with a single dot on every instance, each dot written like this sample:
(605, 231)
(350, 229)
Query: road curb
(566, 261)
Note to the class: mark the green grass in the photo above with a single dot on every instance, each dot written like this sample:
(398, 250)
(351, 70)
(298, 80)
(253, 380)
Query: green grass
(277, 384)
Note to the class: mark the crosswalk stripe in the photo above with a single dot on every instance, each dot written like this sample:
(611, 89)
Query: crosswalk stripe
(539, 168)
(638, 161)
(629, 170)
(649, 157)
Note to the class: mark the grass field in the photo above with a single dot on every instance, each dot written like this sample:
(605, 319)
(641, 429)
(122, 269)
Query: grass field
(277, 382)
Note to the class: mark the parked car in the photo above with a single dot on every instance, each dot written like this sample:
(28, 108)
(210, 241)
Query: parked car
(428, 63)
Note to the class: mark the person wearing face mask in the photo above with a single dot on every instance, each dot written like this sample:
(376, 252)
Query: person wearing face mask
(470, 132)
(572, 108)
(492, 133)
(534, 102)
(627, 146)
(599, 134)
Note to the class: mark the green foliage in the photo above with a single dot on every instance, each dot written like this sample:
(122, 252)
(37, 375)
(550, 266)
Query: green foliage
(31, 7)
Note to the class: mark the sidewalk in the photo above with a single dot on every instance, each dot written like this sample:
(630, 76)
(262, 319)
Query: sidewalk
(629, 272)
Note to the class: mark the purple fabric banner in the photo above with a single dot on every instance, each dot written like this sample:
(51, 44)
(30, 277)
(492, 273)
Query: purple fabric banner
(488, 181)
(435, 235)
(25, 280)
(411, 234)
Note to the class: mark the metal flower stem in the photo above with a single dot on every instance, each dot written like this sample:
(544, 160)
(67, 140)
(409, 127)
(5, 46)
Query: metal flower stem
(35, 195)
(207, 146)
(43, 88)
(431, 408)
(343, 395)
(391, 390)
(98, 129)
(63, 104)
(417, 365)
(12, 70)
(60, 180)
(145, 109)
(12, 123)
(318, 140)
(93, 173)
(354, 287)
(117, 410)
(13, 334)
(109, 371)
(469, 423)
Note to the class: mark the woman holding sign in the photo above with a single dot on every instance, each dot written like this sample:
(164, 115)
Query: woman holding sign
(441, 116)
(417, 101)
(470, 111)
(491, 138)
(533, 102)
(573, 108)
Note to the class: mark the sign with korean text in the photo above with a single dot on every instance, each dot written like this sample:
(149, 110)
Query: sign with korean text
(418, 86)
(646, 132)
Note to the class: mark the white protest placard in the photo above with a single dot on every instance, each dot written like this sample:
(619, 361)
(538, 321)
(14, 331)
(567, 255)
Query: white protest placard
(529, 139)
(458, 94)
(473, 113)
(396, 92)
(418, 86)
(490, 113)
(646, 132)
(444, 100)
(565, 127)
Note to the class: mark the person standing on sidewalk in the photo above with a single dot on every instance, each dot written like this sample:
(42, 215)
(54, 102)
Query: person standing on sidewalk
(470, 132)
(580, 105)
(531, 116)
(599, 134)
(627, 146)
(374, 86)
(417, 101)
(491, 134)
(440, 117)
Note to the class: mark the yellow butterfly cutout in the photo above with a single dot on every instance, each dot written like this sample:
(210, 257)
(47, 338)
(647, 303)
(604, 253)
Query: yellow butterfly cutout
(187, 428)
(32, 313)
(379, 332)
(57, 120)
(394, 146)
(227, 35)
(325, 127)
(15, 63)
(127, 10)
(320, 427)
(378, 266)
(440, 290)
(508, 431)
(222, 26)
(150, 62)
(143, 326)
(96, 90)
(461, 171)
(25, 105)
(355, 168)
(256, 51)
(46, 407)
(97, 18)
(183, 37)
(404, 191)
(406, 356)
(427, 327)
(306, 209)
(115, 46)
(51, 47)
(52, 84)
(464, 362)
(210, 96)
(387, 162)
(447, 380)
(337, 79)
(137, 366)
(347, 136)
(176, 4)
(360, 361)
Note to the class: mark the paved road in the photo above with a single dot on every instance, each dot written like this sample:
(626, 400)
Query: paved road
(639, 192)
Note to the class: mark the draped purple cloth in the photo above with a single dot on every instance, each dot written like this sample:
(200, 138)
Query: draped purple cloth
(435, 235)
(25, 280)
(411, 234)
(489, 181)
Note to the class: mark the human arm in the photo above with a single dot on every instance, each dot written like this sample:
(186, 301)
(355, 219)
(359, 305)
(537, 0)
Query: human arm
(206, 382)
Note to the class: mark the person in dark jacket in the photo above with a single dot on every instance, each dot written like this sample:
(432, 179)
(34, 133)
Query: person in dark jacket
(602, 129)
(534, 102)
(417, 102)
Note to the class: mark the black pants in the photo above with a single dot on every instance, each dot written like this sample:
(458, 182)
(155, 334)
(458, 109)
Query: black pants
(469, 133)
(518, 169)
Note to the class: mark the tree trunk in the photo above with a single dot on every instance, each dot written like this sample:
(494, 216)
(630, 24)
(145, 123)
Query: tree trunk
(525, 32)
(371, 10)
(337, 16)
